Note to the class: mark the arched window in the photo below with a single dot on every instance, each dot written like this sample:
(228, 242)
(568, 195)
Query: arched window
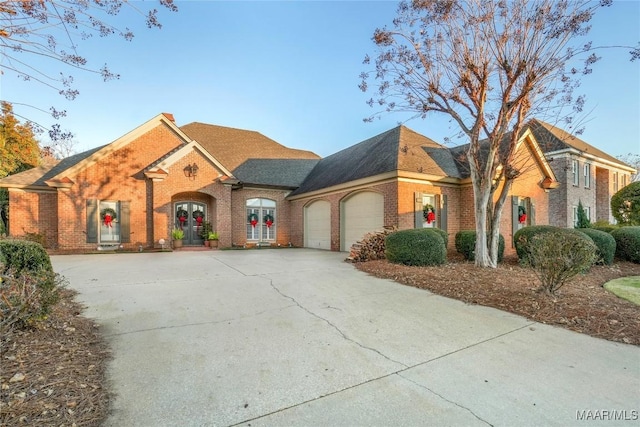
(261, 220)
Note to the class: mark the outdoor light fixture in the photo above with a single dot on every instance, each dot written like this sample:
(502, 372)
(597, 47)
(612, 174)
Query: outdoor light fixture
(191, 171)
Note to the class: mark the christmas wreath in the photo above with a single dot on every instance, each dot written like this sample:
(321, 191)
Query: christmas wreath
(182, 216)
(108, 215)
(522, 215)
(268, 219)
(429, 213)
(199, 217)
(253, 219)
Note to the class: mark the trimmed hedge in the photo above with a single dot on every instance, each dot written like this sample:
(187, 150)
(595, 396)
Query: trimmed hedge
(25, 255)
(627, 243)
(606, 228)
(28, 285)
(605, 244)
(466, 245)
(420, 246)
(443, 234)
(523, 236)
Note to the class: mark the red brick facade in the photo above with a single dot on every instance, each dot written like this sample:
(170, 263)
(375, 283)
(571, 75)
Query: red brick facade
(145, 171)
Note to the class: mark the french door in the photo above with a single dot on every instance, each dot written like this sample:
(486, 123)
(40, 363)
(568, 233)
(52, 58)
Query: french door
(189, 217)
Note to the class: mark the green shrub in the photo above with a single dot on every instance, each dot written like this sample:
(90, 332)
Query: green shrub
(522, 237)
(443, 234)
(583, 219)
(466, 245)
(627, 243)
(28, 285)
(625, 204)
(25, 255)
(558, 256)
(606, 228)
(420, 246)
(605, 244)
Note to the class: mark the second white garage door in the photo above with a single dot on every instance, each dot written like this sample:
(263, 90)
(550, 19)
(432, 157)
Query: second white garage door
(317, 225)
(361, 214)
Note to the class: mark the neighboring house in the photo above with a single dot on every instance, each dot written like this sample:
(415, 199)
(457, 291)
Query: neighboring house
(585, 173)
(135, 190)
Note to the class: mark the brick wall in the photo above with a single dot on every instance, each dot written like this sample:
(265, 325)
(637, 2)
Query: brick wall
(34, 212)
(604, 188)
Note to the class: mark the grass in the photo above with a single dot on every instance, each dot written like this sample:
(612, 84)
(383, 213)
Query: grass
(625, 287)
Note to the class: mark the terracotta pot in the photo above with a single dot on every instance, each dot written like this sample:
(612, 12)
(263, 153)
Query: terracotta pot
(207, 243)
(177, 244)
(213, 243)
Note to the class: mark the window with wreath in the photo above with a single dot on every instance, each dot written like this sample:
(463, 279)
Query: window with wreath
(261, 219)
(107, 221)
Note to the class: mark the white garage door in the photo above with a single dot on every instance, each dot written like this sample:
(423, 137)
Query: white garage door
(317, 225)
(361, 214)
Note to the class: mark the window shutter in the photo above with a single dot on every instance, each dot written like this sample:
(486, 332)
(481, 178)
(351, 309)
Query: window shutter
(418, 218)
(514, 216)
(125, 225)
(531, 210)
(92, 221)
(443, 212)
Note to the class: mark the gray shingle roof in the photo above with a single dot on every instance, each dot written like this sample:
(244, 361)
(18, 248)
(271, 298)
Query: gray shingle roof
(38, 175)
(275, 172)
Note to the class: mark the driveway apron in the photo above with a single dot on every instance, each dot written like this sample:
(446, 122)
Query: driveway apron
(297, 337)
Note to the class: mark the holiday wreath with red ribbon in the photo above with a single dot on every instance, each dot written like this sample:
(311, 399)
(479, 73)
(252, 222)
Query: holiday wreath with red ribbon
(522, 215)
(268, 219)
(253, 219)
(199, 217)
(182, 217)
(429, 213)
(108, 215)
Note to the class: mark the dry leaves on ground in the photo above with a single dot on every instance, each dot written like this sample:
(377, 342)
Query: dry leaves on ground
(54, 374)
(582, 305)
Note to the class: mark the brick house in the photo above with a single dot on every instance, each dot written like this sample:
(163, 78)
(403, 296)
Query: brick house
(135, 190)
(585, 173)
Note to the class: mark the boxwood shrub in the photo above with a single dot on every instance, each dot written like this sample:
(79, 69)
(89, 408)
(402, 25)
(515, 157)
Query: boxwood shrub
(419, 246)
(605, 245)
(443, 234)
(22, 255)
(523, 236)
(28, 285)
(627, 243)
(466, 244)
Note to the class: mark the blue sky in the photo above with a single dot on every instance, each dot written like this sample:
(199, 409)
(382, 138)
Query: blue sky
(289, 70)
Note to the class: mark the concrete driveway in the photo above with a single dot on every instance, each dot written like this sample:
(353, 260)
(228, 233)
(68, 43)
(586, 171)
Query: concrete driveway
(296, 337)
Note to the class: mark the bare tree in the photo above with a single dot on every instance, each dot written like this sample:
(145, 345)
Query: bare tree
(632, 160)
(491, 65)
(53, 29)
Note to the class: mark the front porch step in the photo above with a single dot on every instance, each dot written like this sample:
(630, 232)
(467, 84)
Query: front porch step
(108, 246)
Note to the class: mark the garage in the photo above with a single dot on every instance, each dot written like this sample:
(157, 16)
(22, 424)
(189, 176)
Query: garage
(317, 225)
(361, 213)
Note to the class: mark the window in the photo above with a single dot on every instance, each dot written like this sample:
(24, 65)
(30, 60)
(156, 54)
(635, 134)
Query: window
(109, 222)
(428, 211)
(615, 182)
(624, 180)
(587, 175)
(587, 212)
(261, 219)
(576, 173)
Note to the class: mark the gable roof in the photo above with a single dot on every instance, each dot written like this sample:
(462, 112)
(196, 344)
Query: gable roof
(554, 140)
(399, 148)
(232, 147)
(38, 176)
(289, 173)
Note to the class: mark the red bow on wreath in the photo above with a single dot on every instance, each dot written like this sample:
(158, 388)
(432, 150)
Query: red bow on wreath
(431, 217)
(522, 218)
(107, 220)
(253, 220)
(182, 220)
(268, 220)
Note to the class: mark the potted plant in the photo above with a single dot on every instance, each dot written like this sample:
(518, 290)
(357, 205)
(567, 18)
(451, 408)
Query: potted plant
(177, 235)
(204, 232)
(212, 238)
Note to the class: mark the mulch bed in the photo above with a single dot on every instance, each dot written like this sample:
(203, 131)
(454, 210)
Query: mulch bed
(581, 305)
(54, 374)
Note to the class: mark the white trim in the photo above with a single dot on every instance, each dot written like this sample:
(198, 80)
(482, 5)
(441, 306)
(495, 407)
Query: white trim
(570, 152)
